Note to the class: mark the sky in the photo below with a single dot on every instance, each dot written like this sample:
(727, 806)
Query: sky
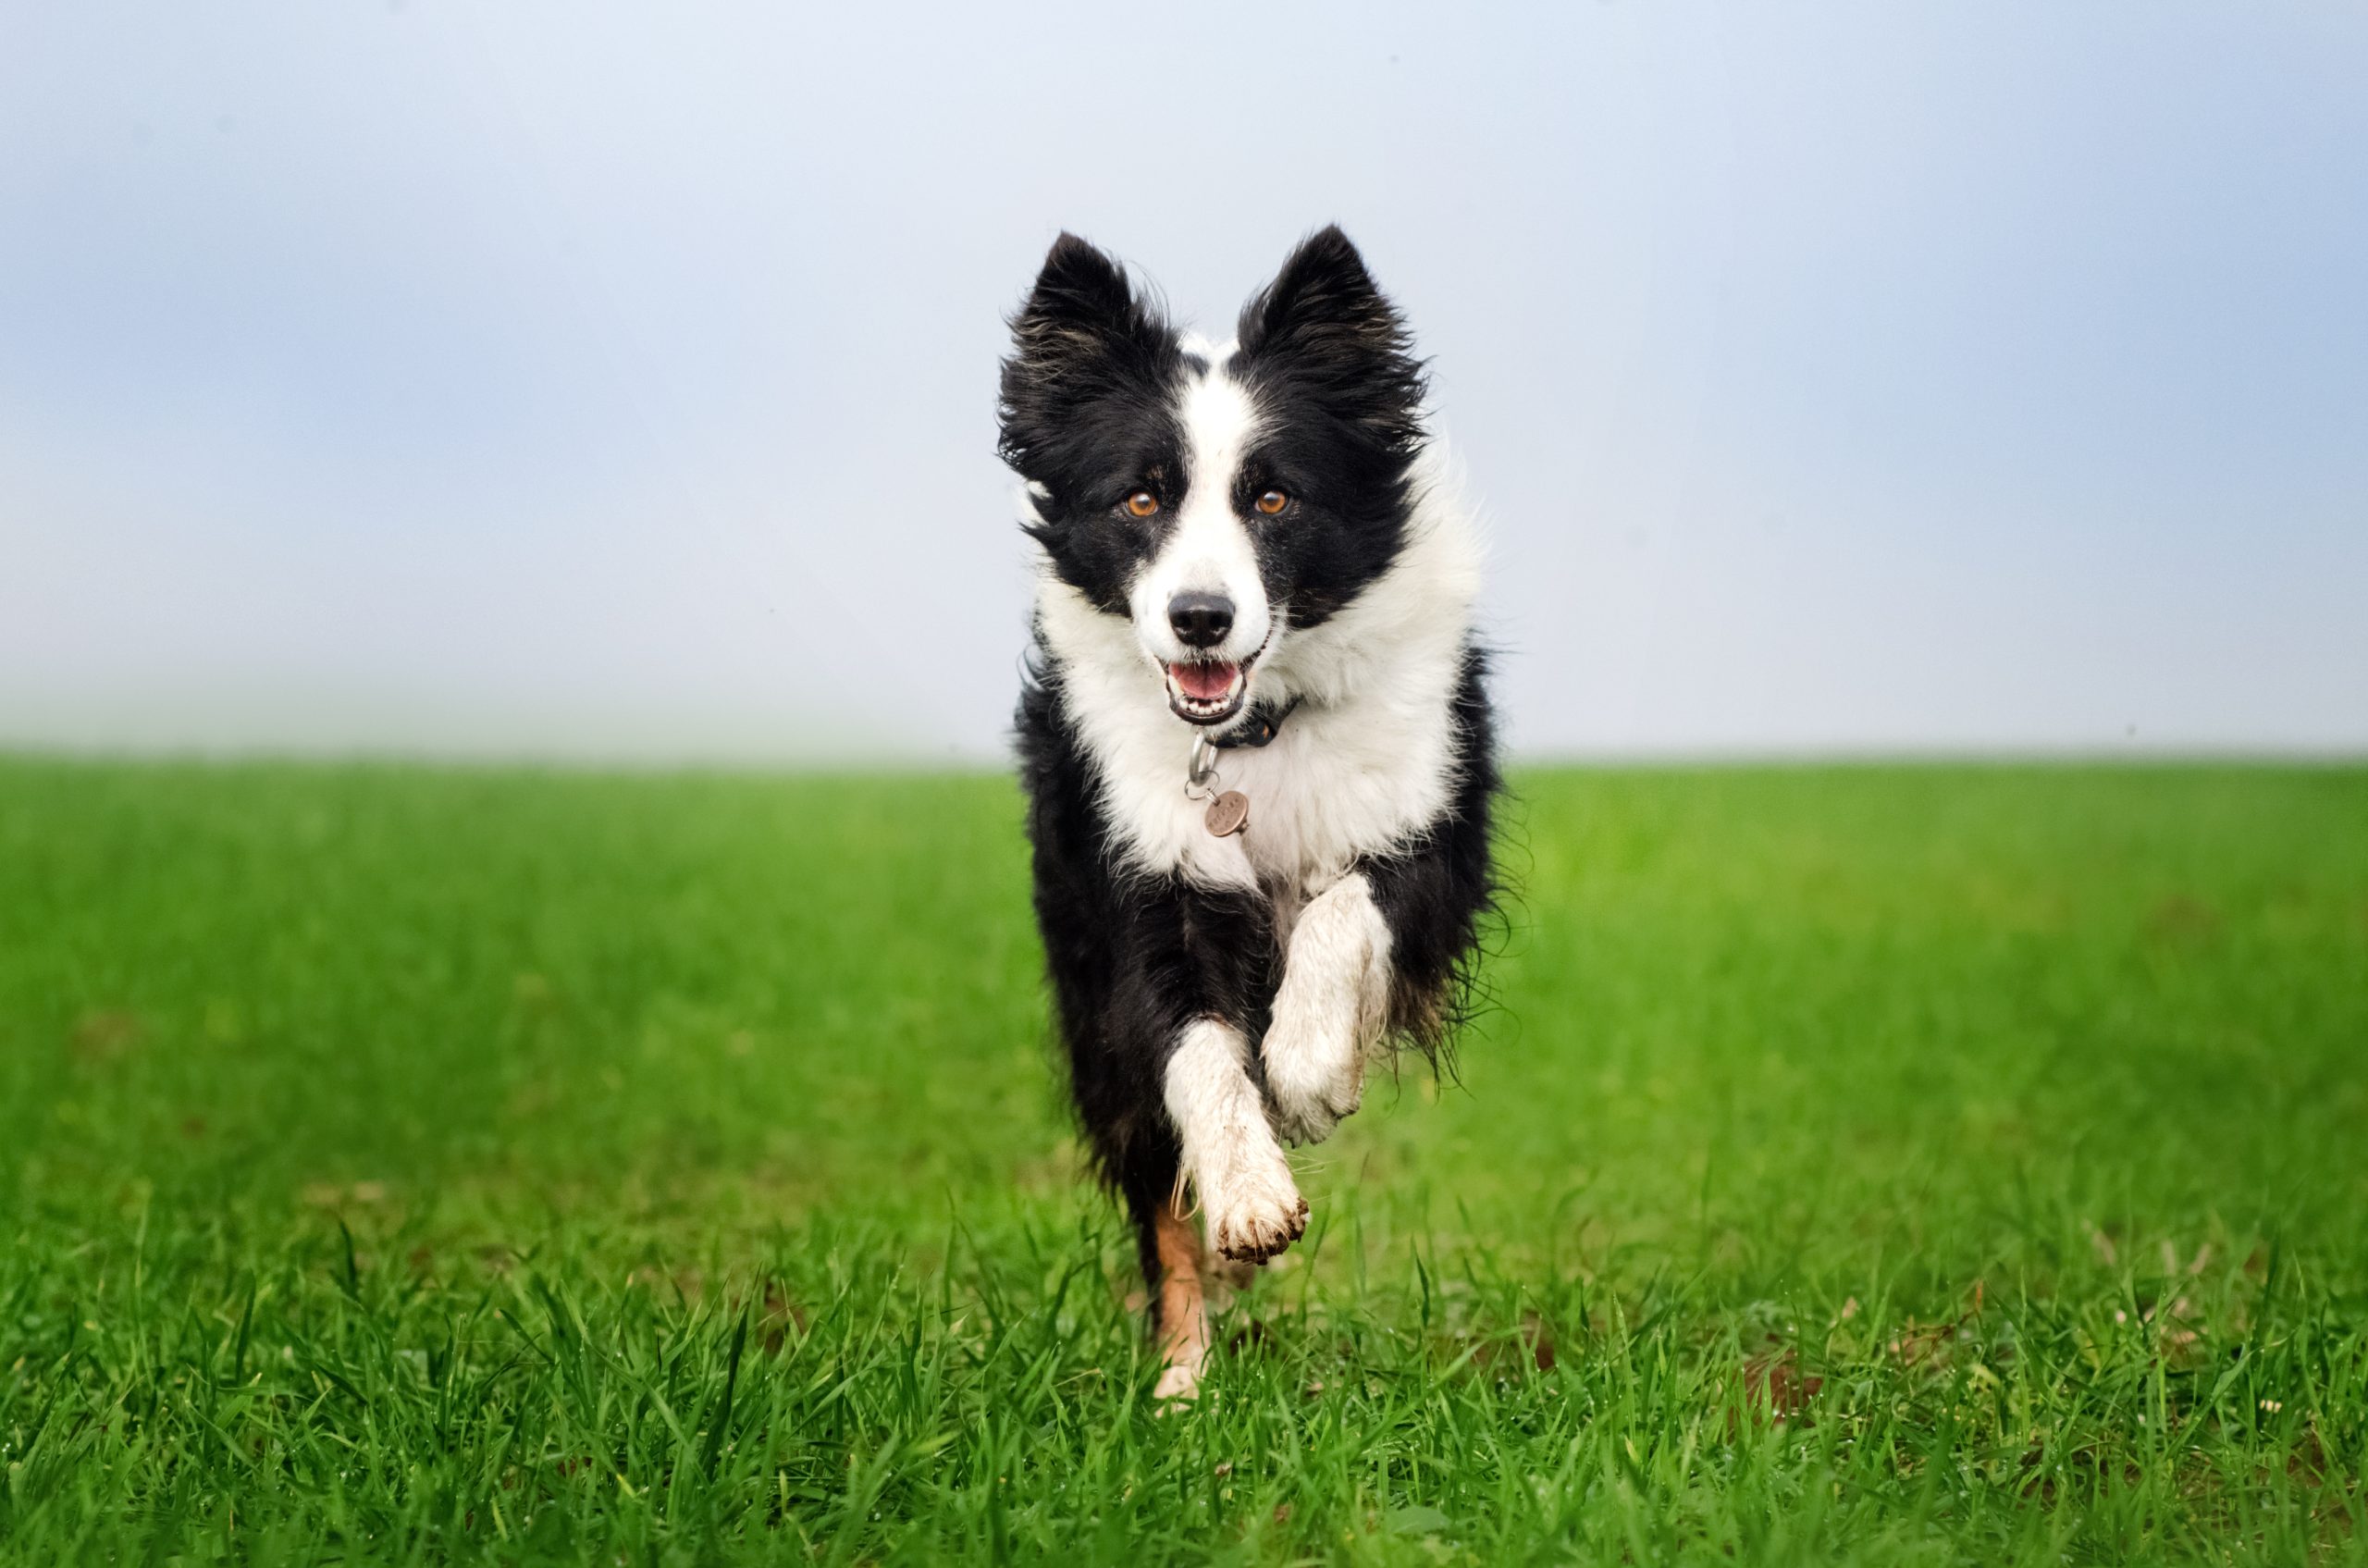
(617, 383)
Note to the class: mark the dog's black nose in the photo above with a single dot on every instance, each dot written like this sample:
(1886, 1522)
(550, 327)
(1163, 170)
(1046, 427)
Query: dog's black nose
(1200, 620)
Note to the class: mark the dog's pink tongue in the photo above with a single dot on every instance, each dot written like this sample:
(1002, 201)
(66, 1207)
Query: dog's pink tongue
(1205, 683)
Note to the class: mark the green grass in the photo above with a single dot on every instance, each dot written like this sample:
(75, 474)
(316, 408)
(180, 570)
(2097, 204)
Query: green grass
(1888, 1166)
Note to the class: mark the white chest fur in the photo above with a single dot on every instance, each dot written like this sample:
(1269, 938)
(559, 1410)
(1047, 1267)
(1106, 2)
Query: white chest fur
(1366, 761)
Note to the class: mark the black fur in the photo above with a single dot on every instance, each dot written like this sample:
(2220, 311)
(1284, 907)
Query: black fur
(1088, 416)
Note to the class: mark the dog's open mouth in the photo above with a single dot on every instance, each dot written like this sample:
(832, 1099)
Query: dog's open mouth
(1207, 691)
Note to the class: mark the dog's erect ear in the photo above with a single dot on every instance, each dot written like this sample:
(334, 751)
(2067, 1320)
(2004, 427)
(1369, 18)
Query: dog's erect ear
(1322, 288)
(1085, 335)
(1080, 286)
(1324, 326)
(1082, 306)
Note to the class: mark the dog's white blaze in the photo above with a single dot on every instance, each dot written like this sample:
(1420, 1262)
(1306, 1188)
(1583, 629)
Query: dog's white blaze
(1332, 1008)
(1210, 551)
(1367, 760)
(1243, 1180)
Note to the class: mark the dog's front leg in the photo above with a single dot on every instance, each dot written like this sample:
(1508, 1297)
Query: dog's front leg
(1253, 1208)
(1332, 1008)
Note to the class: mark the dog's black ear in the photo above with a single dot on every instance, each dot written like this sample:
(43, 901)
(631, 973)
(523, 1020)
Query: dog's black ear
(1082, 306)
(1085, 334)
(1324, 289)
(1080, 286)
(1325, 326)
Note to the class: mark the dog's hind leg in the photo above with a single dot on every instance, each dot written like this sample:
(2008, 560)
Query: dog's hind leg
(1253, 1208)
(1175, 1265)
(1183, 1307)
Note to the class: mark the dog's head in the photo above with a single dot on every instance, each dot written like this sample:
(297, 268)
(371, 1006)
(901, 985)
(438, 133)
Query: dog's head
(1219, 499)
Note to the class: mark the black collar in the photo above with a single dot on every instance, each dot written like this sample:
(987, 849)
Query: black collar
(1265, 725)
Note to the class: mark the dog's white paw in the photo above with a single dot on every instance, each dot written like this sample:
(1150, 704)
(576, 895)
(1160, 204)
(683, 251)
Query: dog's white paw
(1316, 1075)
(1254, 1208)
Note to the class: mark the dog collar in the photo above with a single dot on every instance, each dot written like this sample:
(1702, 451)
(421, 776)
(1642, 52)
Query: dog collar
(1265, 725)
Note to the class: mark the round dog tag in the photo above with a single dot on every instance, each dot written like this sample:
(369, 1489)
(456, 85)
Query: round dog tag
(1228, 813)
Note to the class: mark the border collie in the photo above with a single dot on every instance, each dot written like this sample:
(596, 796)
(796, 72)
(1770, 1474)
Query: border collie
(1255, 740)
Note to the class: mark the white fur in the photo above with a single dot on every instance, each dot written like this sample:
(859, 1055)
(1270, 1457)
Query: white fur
(1365, 762)
(1209, 551)
(1253, 1208)
(1332, 1008)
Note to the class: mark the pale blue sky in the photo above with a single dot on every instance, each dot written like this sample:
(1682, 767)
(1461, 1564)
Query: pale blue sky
(573, 381)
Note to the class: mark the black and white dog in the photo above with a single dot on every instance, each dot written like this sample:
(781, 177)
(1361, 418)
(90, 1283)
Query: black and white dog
(1256, 743)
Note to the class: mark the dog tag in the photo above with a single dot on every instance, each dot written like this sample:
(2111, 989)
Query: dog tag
(1228, 813)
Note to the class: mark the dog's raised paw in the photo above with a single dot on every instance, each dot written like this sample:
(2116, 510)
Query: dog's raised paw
(1314, 1079)
(1309, 1115)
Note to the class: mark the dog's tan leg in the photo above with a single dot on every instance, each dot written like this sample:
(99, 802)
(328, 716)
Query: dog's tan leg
(1183, 1308)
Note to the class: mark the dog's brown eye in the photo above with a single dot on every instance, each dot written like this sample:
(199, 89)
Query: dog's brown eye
(1273, 502)
(1142, 503)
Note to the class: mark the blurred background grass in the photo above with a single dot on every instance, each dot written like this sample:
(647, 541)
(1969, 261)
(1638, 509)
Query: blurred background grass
(2149, 983)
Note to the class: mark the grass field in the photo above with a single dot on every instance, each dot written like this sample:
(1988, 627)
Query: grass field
(1888, 1165)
